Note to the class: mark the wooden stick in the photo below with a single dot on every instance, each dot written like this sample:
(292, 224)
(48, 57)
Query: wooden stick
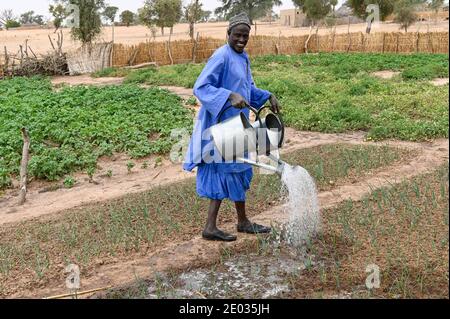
(307, 40)
(194, 50)
(334, 39)
(168, 47)
(51, 42)
(279, 43)
(349, 37)
(6, 58)
(26, 47)
(78, 293)
(133, 58)
(317, 38)
(417, 41)
(32, 52)
(23, 166)
(21, 55)
(362, 42)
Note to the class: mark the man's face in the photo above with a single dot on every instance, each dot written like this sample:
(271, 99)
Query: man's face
(238, 37)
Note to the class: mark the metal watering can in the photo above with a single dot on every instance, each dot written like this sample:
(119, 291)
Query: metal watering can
(236, 137)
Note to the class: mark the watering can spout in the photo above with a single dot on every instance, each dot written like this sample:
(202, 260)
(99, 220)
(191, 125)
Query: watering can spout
(276, 169)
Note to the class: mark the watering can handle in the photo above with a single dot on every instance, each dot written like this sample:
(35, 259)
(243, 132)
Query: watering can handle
(279, 117)
(246, 105)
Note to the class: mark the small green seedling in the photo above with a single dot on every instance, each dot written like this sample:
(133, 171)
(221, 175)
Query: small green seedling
(192, 101)
(130, 166)
(90, 172)
(69, 182)
(158, 161)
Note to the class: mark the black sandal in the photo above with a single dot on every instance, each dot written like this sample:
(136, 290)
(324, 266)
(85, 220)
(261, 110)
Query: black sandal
(254, 229)
(218, 235)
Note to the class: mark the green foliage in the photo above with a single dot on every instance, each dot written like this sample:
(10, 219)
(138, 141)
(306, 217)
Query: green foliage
(29, 17)
(130, 165)
(192, 14)
(127, 17)
(180, 74)
(90, 172)
(315, 9)
(110, 13)
(84, 123)
(192, 101)
(435, 5)
(425, 72)
(59, 13)
(254, 8)
(359, 7)
(111, 72)
(162, 13)
(336, 92)
(69, 182)
(90, 19)
(404, 11)
(12, 24)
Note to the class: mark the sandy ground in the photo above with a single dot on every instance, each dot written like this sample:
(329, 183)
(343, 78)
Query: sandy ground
(386, 74)
(38, 39)
(197, 252)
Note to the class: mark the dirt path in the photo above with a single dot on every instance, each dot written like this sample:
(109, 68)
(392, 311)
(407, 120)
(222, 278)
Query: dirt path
(197, 252)
(85, 79)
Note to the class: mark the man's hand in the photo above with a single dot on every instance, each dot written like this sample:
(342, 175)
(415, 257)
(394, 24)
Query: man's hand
(237, 100)
(274, 105)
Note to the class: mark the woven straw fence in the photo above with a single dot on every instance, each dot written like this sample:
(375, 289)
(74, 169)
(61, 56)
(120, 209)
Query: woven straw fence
(182, 51)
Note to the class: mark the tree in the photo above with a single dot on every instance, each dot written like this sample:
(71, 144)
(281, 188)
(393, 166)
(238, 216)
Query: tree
(162, 13)
(435, 5)
(90, 25)
(12, 24)
(8, 19)
(254, 8)
(333, 4)
(206, 15)
(315, 10)
(29, 17)
(127, 17)
(193, 14)
(59, 13)
(110, 14)
(405, 14)
(7, 16)
(359, 7)
(39, 19)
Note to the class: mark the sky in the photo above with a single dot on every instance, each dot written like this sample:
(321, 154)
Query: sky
(41, 6)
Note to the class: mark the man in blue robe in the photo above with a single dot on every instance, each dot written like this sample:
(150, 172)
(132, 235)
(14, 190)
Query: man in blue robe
(225, 81)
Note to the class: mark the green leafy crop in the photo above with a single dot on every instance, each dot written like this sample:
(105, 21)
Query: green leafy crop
(71, 128)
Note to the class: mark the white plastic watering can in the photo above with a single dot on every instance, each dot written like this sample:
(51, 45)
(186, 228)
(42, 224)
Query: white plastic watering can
(236, 137)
